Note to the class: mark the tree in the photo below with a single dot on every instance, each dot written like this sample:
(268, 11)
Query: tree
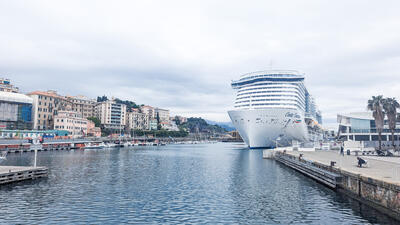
(177, 120)
(129, 104)
(102, 99)
(95, 120)
(390, 106)
(376, 106)
(158, 121)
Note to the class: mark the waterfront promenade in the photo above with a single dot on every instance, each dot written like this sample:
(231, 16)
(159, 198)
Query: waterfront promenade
(380, 168)
(377, 184)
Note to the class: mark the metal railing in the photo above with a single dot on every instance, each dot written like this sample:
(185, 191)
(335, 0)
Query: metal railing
(374, 131)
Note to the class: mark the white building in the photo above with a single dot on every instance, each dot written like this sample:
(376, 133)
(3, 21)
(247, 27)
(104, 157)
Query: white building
(360, 126)
(149, 111)
(111, 114)
(171, 126)
(163, 114)
(137, 120)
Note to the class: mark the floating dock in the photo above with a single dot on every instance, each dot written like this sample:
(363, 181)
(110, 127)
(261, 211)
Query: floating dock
(377, 184)
(11, 174)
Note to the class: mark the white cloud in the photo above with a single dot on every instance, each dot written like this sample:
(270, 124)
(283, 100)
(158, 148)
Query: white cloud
(182, 55)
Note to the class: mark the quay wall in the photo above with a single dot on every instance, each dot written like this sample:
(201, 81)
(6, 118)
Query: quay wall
(381, 195)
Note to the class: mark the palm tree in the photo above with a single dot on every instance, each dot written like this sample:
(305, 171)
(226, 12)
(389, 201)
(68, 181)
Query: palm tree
(376, 106)
(390, 106)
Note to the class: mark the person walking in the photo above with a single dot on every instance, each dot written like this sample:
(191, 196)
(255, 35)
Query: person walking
(342, 150)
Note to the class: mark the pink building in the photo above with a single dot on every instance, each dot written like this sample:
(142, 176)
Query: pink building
(92, 130)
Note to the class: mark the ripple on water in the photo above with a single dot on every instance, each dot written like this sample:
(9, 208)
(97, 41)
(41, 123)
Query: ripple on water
(220, 183)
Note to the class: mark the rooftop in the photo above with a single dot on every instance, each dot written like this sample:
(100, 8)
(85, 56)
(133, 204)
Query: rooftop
(46, 93)
(367, 115)
(15, 97)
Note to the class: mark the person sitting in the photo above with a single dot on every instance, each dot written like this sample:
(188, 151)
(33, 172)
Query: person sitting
(361, 162)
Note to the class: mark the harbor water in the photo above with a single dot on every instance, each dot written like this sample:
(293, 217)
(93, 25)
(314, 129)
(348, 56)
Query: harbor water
(202, 183)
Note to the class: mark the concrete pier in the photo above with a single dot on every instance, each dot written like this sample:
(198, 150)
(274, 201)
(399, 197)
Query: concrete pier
(10, 174)
(377, 184)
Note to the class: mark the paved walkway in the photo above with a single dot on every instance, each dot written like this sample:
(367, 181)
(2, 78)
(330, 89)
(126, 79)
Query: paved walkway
(381, 168)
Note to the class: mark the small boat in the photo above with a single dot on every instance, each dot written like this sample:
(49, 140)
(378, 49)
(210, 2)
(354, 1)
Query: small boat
(94, 146)
(111, 145)
(3, 156)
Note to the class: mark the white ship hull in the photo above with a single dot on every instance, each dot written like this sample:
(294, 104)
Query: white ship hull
(264, 128)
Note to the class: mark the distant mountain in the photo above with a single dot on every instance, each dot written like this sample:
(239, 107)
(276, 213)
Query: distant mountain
(228, 126)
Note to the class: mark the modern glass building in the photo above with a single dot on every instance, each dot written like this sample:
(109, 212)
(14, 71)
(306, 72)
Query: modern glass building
(360, 126)
(15, 111)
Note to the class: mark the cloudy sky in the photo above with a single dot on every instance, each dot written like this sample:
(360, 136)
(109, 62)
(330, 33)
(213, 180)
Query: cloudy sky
(182, 55)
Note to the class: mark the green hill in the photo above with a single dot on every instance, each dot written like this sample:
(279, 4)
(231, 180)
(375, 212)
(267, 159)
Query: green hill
(199, 125)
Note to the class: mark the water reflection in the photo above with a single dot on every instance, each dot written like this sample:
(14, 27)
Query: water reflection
(221, 183)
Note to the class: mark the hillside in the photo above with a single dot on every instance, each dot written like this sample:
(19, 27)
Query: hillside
(228, 126)
(195, 125)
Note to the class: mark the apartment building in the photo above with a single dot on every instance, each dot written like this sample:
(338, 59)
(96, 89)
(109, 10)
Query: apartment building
(83, 105)
(111, 114)
(71, 121)
(6, 86)
(163, 114)
(149, 111)
(137, 120)
(45, 106)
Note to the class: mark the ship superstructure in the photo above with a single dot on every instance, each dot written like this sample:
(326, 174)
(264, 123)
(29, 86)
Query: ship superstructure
(272, 107)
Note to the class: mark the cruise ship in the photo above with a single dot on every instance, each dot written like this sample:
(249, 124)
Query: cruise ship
(273, 108)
